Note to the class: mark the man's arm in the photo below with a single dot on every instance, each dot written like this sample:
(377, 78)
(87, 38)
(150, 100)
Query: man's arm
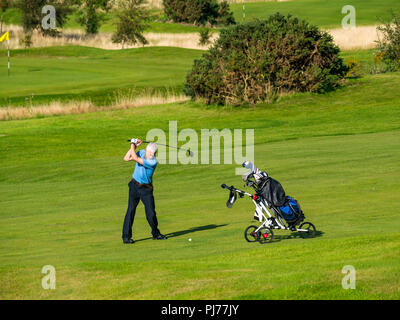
(128, 156)
(131, 154)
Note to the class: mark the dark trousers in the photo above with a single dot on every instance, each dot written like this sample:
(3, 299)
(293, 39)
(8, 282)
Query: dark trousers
(136, 194)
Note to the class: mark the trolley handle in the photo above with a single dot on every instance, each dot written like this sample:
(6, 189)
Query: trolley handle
(232, 188)
(224, 186)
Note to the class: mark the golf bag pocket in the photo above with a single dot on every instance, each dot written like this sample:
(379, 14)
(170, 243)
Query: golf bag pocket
(290, 210)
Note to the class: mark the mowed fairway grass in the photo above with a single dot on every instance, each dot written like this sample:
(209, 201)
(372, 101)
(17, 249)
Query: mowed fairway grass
(40, 75)
(64, 193)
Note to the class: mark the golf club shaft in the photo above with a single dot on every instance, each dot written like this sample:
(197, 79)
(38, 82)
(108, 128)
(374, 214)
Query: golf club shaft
(166, 145)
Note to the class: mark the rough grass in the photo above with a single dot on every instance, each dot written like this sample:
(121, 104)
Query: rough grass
(103, 40)
(362, 37)
(123, 100)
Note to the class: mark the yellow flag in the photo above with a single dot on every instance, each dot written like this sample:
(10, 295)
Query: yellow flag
(4, 37)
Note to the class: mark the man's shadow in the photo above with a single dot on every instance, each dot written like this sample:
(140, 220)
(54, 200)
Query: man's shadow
(191, 230)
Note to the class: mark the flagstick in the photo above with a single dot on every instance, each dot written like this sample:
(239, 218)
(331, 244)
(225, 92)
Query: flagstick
(8, 43)
(244, 11)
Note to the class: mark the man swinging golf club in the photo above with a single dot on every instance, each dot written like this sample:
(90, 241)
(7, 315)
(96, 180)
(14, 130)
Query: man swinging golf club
(141, 188)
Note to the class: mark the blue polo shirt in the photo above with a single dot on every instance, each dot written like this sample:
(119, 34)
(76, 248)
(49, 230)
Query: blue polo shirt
(144, 173)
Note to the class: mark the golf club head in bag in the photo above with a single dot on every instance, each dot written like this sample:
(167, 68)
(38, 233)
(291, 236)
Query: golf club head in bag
(257, 173)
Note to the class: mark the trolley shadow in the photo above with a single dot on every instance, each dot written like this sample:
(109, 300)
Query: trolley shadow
(295, 235)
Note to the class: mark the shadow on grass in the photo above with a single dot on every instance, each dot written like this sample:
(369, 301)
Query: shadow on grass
(295, 235)
(191, 230)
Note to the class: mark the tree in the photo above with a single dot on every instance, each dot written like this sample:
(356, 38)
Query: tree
(32, 14)
(389, 45)
(91, 14)
(224, 16)
(256, 61)
(4, 5)
(205, 36)
(132, 22)
(198, 12)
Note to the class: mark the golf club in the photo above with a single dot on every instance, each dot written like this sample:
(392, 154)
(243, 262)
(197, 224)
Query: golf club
(190, 153)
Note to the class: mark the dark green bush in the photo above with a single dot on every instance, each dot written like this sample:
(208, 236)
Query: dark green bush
(224, 15)
(91, 14)
(132, 21)
(32, 15)
(205, 36)
(198, 12)
(389, 44)
(253, 62)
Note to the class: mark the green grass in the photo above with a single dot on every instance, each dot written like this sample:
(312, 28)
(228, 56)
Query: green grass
(324, 13)
(63, 189)
(81, 73)
(40, 75)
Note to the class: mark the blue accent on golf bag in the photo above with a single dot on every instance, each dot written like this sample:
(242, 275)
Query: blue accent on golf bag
(287, 211)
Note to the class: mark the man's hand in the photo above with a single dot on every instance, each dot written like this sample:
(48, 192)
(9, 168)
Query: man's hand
(137, 142)
(131, 154)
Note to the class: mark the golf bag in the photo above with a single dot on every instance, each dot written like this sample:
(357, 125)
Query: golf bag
(273, 192)
(291, 211)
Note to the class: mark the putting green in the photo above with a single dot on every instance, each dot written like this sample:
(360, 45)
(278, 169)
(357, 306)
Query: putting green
(40, 75)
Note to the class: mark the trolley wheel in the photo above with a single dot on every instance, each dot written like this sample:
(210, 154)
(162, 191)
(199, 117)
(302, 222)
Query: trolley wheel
(250, 235)
(266, 235)
(310, 233)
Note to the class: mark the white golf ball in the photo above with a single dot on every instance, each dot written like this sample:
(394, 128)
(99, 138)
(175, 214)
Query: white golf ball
(190, 239)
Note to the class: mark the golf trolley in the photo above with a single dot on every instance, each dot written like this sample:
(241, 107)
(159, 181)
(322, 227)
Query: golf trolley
(269, 216)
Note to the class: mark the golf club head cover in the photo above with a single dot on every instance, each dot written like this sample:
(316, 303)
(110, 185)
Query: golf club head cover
(258, 174)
